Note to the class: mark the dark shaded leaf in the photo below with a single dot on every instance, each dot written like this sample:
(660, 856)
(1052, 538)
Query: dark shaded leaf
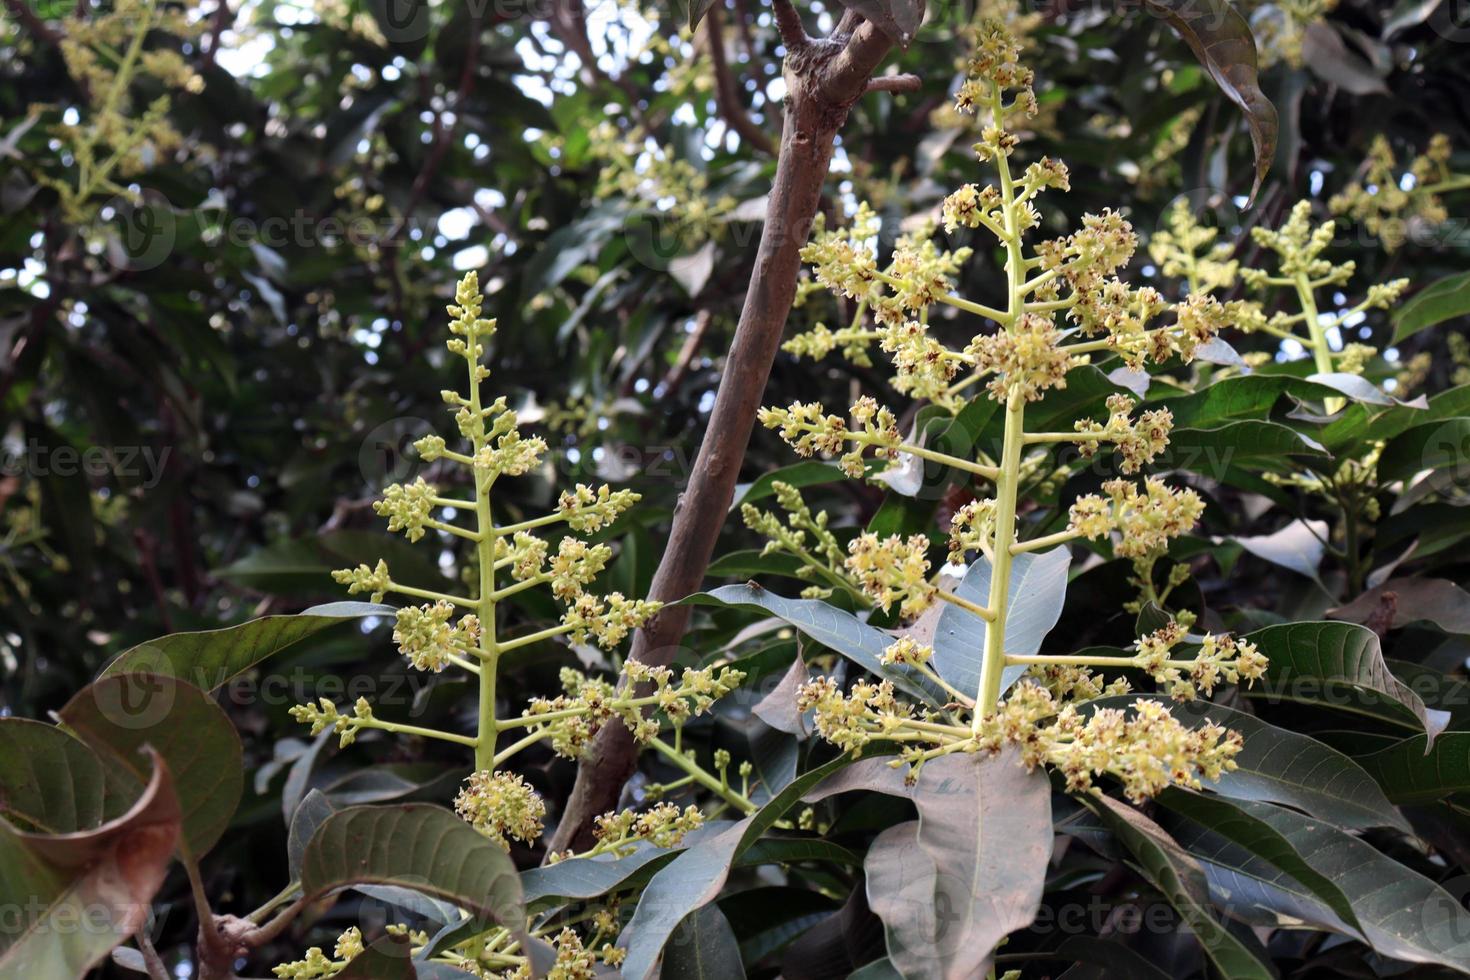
(1221, 39)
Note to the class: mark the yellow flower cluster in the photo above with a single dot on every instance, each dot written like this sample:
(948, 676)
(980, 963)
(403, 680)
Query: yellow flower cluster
(501, 805)
(850, 722)
(803, 535)
(662, 825)
(429, 641)
(1145, 521)
(892, 569)
(324, 716)
(105, 55)
(316, 965)
(1388, 203)
(905, 651)
(1138, 440)
(1218, 657)
(408, 507)
(572, 718)
(809, 430)
(1188, 250)
(1028, 358)
(971, 528)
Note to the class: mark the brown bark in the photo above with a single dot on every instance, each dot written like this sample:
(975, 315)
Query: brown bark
(824, 78)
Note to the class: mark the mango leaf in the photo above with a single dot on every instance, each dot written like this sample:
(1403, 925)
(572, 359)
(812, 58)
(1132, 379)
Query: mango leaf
(584, 878)
(1036, 593)
(54, 782)
(1443, 299)
(807, 473)
(1409, 774)
(1311, 661)
(979, 852)
(118, 715)
(209, 659)
(1222, 41)
(694, 878)
(1433, 600)
(387, 959)
(77, 895)
(836, 629)
(1232, 822)
(1299, 546)
(1210, 452)
(1281, 766)
(424, 848)
(1432, 446)
(694, 11)
(1402, 914)
(703, 948)
(1181, 880)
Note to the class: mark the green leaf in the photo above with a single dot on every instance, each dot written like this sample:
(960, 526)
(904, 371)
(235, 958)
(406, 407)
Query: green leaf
(1444, 299)
(1210, 452)
(584, 878)
(1182, 882)
(1299, 546)
(694, 878)
(1232, 822)
(834, 628)
(1432, 446)
(1403, 915)
(1037, 591)
(387, 959)
(1221, 39)
(73, 897)
(119, 715)
(807, 473)
(1281, 766)
(979, 852)
(1409, 774)
(417, 846)
(750, 563)
(212, 658)
(66, 497)
(1313, 662)
(54, 782)
(703, 948)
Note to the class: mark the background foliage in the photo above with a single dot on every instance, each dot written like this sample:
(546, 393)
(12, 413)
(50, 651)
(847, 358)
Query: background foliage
(200, 394)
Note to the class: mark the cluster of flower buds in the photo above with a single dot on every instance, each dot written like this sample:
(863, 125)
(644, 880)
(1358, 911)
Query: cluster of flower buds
(1387, 202)
(1299, 247)
(993, 69)
(324, 716)
(850, 722)
(972, 528)
(501, 805)
(906, 652)
(1218, 657)
(809, 430)
(1028, 358)
(1147, 751)
(571, 719)
(429, 640)
(803, 535)
(1145, 521)
(662, 825)
(317, 965)
(1138, 440)
(820, 341)
(1188, 250)
(892, 569)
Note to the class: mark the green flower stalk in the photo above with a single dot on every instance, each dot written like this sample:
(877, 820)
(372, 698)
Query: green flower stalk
(1063, 305)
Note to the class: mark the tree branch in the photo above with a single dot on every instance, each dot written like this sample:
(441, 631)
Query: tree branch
(823, 80)
(727, 92)
(23, 13)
